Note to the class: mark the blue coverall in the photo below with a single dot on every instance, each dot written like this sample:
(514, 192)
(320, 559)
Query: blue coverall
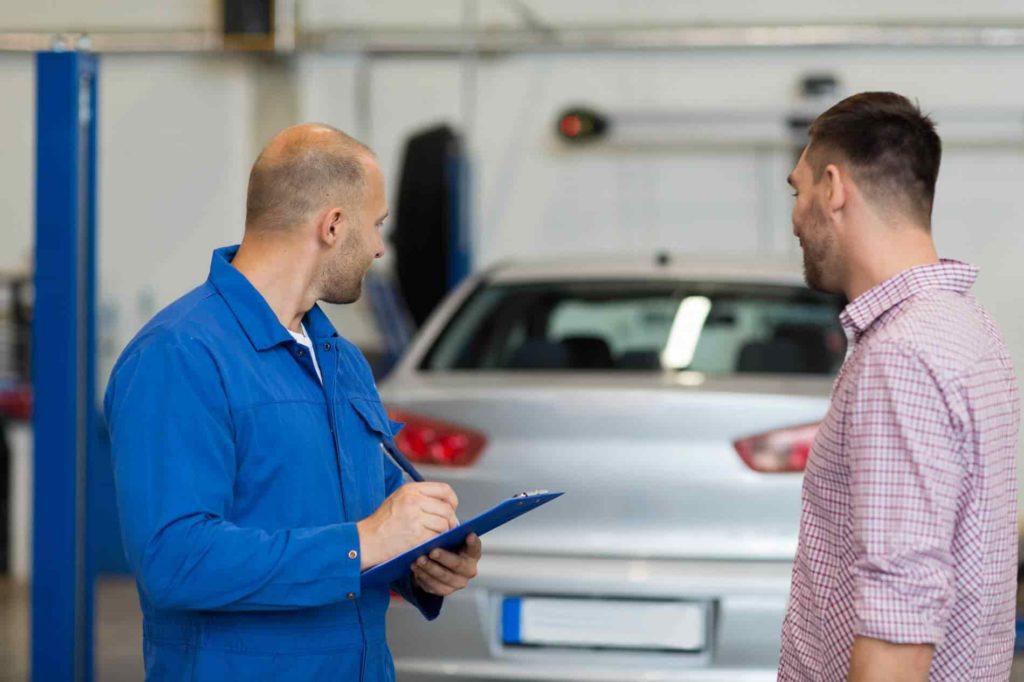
(239, 480)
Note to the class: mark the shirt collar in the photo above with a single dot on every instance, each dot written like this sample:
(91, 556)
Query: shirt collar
(863, 311)
(252, 310)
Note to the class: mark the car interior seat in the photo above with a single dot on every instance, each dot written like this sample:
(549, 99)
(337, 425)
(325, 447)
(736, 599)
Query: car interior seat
(588, 352)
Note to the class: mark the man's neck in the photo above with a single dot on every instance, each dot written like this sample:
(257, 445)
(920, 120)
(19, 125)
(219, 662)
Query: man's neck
(905, 248)
(275, 268)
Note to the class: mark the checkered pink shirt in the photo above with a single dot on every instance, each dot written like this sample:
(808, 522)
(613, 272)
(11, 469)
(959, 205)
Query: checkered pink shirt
(908, 531)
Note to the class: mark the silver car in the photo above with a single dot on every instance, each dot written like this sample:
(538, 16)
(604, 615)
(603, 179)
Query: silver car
(674, 401)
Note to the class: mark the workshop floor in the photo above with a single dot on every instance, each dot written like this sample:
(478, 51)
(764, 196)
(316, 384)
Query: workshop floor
(118, 634)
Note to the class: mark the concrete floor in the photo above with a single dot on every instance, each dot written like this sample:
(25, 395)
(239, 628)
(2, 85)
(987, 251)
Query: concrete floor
(118, 633)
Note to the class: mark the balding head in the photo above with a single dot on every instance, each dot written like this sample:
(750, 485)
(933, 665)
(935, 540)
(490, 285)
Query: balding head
(304, 169)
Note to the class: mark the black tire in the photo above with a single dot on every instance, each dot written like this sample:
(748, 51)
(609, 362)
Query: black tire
(423, 214)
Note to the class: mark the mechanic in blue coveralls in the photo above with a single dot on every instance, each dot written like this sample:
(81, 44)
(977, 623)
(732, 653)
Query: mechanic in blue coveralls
(247, 442)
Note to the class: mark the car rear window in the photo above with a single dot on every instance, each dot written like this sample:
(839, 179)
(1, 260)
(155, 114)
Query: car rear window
(642, 326)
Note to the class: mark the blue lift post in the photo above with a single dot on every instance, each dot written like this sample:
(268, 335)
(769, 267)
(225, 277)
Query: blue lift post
(63, 364)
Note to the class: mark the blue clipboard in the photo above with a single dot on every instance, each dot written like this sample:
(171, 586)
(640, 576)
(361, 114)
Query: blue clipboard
(383, 574)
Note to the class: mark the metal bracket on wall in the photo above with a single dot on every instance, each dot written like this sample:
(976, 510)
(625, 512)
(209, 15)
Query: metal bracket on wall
(680, 130)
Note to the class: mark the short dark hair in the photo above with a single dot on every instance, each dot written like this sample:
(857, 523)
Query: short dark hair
(891, 148)
(290, 181)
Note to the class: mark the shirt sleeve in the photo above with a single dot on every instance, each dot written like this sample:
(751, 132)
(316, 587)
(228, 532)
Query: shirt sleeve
(428, 604)
(906, 472)
(174, 462)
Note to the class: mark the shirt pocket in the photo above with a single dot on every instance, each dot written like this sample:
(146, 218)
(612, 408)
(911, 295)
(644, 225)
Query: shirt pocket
(375, 417)
(364, 444)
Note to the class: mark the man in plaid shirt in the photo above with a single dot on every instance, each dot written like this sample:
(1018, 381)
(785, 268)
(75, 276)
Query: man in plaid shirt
(907, 562)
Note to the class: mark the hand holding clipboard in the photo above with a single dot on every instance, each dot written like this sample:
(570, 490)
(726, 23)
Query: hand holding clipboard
(382, 574)
(453, 539)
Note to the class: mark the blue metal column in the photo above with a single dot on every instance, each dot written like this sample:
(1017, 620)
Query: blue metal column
(63, 364)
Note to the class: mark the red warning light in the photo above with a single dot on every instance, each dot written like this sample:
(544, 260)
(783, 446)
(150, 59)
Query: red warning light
(581, 124)
(571, 125)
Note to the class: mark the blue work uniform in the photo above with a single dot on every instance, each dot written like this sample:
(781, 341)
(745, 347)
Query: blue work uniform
(239, 478)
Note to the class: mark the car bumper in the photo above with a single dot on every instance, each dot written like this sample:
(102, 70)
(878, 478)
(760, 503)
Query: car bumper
(746, 604)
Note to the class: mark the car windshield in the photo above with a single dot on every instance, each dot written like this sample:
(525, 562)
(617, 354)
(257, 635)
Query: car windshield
(643, 326)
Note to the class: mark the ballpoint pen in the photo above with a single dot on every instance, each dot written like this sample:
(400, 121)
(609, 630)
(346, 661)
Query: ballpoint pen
(402, 462)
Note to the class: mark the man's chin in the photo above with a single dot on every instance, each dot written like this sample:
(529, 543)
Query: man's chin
(813, 278)
(344, 299)
(815, 281)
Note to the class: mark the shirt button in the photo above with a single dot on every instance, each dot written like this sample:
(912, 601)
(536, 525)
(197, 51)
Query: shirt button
(353, 554)
(327, 346)
(351, 595)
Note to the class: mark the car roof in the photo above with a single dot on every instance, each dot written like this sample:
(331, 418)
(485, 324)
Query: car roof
(670, 267)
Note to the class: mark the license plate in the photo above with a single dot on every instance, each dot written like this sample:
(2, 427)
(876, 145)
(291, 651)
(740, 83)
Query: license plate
(604, 623)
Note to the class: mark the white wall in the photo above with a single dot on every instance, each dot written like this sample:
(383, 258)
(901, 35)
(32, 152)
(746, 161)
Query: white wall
(17, 161)
(175, 150)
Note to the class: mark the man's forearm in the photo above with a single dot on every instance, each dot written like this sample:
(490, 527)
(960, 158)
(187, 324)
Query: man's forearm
(876, 661)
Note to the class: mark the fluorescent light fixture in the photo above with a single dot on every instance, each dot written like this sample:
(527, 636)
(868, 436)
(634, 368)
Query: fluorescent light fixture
(686, 329)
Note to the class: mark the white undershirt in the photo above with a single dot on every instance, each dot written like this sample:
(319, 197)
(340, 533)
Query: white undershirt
(304, 340)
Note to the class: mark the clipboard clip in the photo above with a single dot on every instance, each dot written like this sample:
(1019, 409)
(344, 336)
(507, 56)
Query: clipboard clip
(530, 493)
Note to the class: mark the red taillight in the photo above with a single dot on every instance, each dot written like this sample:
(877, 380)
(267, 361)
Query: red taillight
(429, 441)
(779, 451)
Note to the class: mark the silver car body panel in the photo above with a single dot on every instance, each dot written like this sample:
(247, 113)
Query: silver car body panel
(658, 503)
(748, 599)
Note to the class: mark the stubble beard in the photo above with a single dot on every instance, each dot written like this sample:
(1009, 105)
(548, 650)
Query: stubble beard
(342, 279)
(819, 250)
(342, 285)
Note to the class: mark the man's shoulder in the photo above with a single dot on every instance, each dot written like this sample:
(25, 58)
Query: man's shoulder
(191, 318)
(174, 344)
(945, 331)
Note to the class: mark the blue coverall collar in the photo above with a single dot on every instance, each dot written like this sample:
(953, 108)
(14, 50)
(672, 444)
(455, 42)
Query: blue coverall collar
(252, 310)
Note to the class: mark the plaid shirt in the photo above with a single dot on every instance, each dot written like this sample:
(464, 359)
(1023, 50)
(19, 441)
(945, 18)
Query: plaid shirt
(908, 532)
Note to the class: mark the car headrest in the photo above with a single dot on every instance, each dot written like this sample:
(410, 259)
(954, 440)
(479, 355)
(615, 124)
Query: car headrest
(778, 356)
(639, 359)
(539, 354)
(588, 352)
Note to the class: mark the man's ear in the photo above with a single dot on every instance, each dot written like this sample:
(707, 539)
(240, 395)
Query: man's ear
(835, 188)
(331, 225)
